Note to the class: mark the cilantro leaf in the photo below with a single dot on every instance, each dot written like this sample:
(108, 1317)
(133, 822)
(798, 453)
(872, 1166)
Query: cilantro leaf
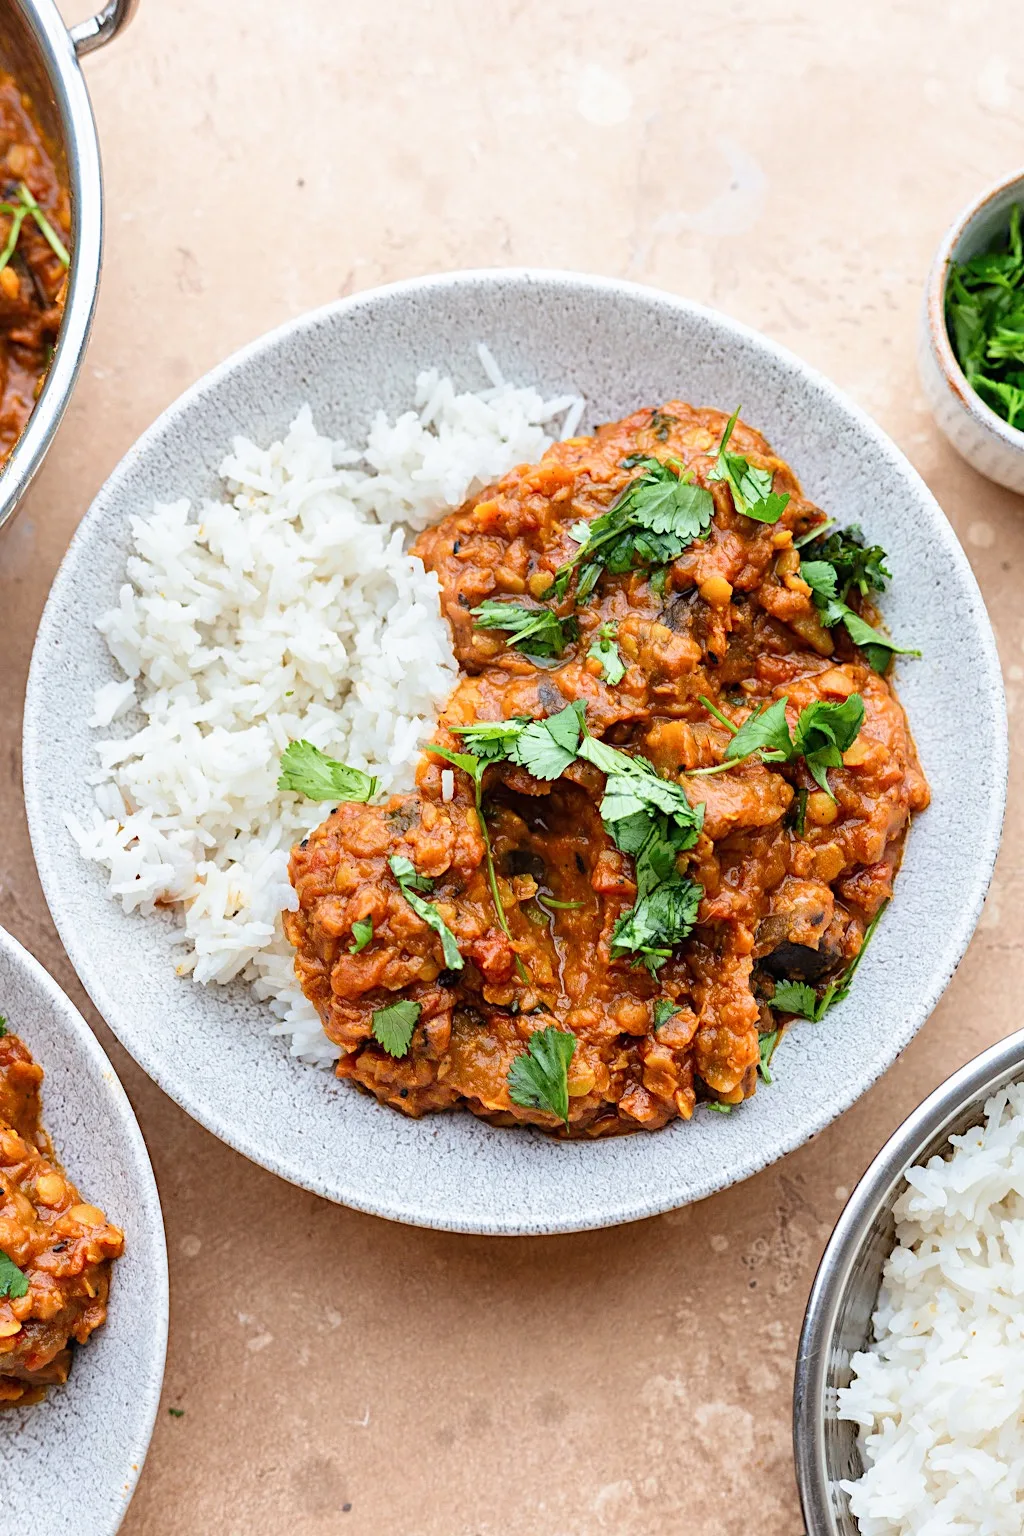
(310, 772)
(766, 731)
(875, 646)
(665, 1009)
(490, 739)
(362, 933)
(719, 1109)
(634, 788)
(535, 631)
(546, 748)
(13, 1283)
(539, 1079)
(796, 997)
(655, 518)
(409, 882)
(824, 732)
(843, 563)
(765, 1051)
(393, 1025)
(604, 650)
(751, 488)
(985, 320)
(3, 1026)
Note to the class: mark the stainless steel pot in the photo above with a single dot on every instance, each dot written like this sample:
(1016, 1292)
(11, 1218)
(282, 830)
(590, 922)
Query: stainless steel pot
(43, 54)
(838, 1318)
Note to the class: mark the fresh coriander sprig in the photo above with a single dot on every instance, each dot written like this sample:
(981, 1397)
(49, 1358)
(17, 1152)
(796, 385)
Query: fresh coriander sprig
(603, 649)
(829, 587)
(393, 1026)
(765, 1051)
(534, 631)
(310, 772)
(655, 518)
(751, 488)
(362, 933)
(539, 1079)
(18, 212)
(409, 882)
(823, 733)
(985, 320)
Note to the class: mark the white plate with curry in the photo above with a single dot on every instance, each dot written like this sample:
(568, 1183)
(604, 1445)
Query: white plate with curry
(83, 1269)
(609, 936)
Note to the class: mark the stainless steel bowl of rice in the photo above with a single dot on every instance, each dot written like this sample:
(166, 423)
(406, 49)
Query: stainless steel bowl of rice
(908, 1412)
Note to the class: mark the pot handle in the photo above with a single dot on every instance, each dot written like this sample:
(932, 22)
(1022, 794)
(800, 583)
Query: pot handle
(104, 26)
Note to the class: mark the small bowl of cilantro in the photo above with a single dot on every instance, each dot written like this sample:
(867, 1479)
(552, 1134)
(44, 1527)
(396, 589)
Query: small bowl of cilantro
(972, 339)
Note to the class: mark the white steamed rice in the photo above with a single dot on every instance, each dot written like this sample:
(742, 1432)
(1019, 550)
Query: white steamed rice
(939, 1395)
(288, 609)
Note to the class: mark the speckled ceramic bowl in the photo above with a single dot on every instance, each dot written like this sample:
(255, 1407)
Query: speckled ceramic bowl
(70, 1464)
(985, 440)
(621, 346)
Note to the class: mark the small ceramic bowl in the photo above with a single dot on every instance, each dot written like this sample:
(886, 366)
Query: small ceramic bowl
(988, 443)
(69, 1465)
(845, 1292)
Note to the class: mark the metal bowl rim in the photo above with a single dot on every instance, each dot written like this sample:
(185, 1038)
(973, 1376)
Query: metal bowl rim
(971, 1084)
(81, 148)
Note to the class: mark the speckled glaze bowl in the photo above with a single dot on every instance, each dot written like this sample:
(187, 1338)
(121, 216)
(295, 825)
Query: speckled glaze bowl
(70, 1463)
(621, 347)
(988, 443)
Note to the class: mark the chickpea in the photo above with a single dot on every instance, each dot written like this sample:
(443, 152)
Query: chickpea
(538, 583)
(50, 1189)
(9, 1327)
(716, 591)
(821, 809)
(87, 1215)
(9, 283)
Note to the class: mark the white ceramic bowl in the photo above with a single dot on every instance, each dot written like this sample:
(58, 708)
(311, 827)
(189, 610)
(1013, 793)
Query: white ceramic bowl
(985, 440)
(70, 1463)
(621, 347)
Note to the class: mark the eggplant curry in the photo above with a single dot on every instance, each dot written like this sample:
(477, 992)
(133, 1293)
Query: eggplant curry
(56, 1251)
(35, 217)
(663, 808)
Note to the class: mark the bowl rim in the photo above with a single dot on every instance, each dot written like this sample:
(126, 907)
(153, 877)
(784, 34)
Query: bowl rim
(85, 184)
(192, 1097)
(953, 375)
(972, 1083)
(146, 1394)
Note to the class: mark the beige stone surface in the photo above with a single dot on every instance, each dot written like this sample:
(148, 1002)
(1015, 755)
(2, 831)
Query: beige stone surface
(791, 161)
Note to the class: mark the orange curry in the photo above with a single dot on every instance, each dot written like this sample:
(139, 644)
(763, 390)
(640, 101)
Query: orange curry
(55, 1251)
(789, 874)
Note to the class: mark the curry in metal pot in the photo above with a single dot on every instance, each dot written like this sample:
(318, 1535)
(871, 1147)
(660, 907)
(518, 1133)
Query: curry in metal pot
(34, 222)
(663, 809)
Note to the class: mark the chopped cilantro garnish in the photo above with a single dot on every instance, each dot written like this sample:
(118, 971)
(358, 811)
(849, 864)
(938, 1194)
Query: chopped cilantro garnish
(3, 1026)
(823, 733)
(985, 320)
(544, 748)
(655, 518)
(539, 1079)
(751, 488)
(719, 1109)
(409, 882)
(652, 819)
(765, 1051)
(855, 563)
(535, 631)
(393, 1025)
(665, 1009)
(604, 650)
(362, 933)
(310, 772)
(13, 1283)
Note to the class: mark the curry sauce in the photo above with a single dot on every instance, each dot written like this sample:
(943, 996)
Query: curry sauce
(789, 874)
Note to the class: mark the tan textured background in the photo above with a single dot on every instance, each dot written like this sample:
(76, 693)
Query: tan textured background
(793, 163)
